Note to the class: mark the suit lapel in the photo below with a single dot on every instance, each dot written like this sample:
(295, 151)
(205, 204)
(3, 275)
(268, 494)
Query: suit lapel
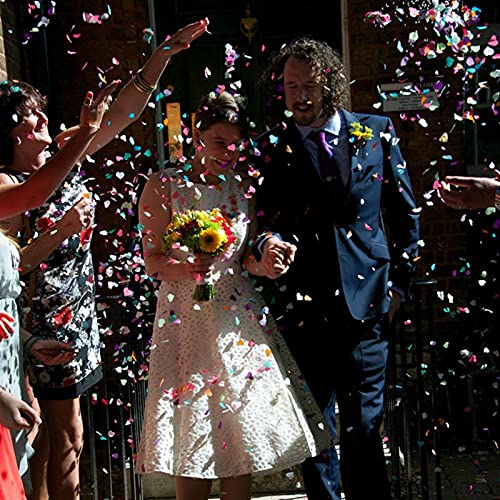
(350, 118)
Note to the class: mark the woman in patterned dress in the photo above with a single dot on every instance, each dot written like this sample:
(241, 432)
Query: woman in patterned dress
(57, 259)
(225, 398)
(15, 413)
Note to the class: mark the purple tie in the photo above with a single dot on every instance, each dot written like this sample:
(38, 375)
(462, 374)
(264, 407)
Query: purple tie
(327, 166)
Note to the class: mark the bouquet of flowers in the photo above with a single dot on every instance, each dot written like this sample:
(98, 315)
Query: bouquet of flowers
(200, 231)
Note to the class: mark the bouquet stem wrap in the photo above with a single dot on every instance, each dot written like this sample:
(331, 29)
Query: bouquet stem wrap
(204, 292)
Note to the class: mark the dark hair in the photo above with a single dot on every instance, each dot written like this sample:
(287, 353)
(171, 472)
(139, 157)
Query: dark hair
(17, 101)
(326, 63)
(222, 107)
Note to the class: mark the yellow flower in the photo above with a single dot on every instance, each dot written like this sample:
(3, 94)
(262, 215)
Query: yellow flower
(360, 134)
(202, 218)
(211, 239)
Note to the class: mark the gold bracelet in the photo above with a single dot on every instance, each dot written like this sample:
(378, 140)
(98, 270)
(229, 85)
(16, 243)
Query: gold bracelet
(142, 91)
(141, 84)
(136, 82)
(89, 125)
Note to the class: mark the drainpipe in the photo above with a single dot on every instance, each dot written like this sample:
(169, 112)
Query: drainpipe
(160, 149)
(40, 78)
(346, 42)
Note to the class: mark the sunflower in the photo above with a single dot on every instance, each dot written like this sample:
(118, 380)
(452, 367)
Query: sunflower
(211, 239)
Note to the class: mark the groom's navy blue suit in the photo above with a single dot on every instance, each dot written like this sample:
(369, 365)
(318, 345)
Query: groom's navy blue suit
(333, 303)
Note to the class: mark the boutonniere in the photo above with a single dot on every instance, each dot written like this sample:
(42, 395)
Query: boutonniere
(359, 135)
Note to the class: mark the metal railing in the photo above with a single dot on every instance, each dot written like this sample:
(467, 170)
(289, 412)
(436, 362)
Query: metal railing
(412, 400)
(113, 410)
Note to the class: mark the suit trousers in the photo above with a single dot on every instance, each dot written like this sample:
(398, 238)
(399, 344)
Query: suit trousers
(343, 361)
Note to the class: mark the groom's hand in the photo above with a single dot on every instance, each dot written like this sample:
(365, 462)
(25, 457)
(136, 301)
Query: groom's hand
(277, 257)
(396, 299)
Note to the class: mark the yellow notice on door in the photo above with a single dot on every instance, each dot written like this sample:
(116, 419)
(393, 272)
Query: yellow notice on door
(175, 139)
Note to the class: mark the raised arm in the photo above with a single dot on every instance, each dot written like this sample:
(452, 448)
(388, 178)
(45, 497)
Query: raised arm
(17, 198)
(154, 216)
(134, 96)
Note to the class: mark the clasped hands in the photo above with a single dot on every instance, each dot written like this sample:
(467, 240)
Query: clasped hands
(48, 351)
(277, 257)
(15, 413)
(52, 352)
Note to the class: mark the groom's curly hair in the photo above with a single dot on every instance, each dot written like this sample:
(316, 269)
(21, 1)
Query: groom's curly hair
(326, 63)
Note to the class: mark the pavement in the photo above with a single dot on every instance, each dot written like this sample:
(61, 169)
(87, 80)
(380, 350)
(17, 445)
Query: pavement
(453, 475)
(462, 476)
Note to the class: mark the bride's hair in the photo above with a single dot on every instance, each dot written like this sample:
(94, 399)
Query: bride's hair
(222, 107)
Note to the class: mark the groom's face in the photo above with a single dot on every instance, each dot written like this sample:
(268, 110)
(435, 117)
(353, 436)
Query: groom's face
(303, 92)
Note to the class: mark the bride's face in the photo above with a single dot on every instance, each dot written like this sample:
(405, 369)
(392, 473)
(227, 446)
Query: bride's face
(217, 147)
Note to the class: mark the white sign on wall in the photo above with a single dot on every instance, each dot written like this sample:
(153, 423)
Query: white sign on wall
(408, 96)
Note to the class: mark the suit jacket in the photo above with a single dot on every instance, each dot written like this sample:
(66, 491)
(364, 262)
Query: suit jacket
(342, 241)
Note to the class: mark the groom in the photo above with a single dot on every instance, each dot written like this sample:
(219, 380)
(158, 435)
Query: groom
(328, 175)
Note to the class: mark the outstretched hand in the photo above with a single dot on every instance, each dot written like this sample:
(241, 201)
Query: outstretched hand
(183, 38)
(80, 215)
(93, 109)
(472, 193)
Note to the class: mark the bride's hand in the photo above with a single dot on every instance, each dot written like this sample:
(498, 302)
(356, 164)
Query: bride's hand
(199, 265)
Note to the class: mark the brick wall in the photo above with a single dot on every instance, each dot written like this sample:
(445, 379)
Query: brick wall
(460, 250)
(374, 58)
(10, 57)
(82, 55)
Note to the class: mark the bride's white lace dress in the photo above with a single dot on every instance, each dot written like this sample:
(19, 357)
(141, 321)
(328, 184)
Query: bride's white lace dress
(225, 397)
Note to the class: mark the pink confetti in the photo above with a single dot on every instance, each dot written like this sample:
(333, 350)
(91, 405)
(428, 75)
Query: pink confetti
(377, 18)
(91, 18)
